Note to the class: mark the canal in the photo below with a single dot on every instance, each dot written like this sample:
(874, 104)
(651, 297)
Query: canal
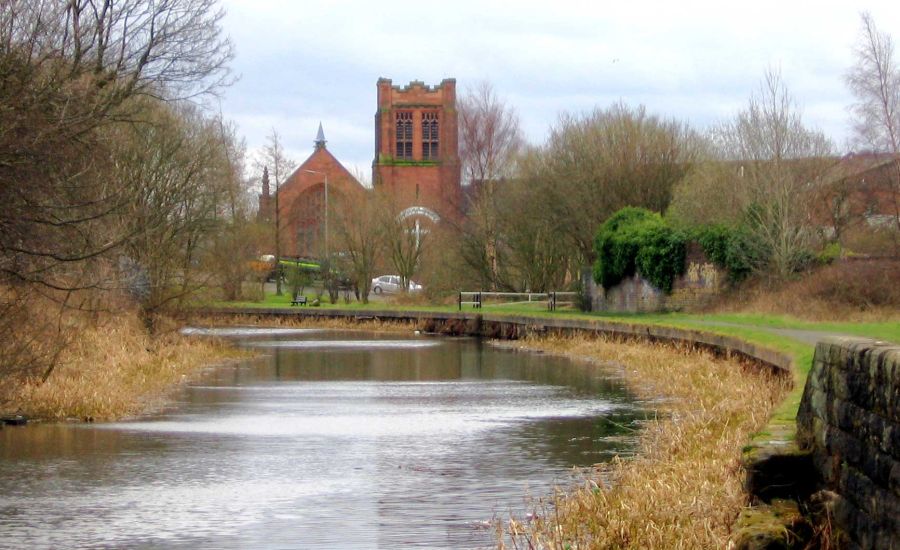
(328, 439)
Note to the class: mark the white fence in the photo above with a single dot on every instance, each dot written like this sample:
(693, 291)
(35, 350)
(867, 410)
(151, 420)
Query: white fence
(477, 299)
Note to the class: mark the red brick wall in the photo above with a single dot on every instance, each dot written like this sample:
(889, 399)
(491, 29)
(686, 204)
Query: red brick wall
(435, 183)
(301, 201)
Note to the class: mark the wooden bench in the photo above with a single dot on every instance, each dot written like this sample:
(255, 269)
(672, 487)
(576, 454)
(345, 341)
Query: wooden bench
(298, 300)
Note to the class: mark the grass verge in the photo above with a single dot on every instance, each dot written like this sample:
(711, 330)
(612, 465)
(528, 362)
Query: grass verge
(683, 489)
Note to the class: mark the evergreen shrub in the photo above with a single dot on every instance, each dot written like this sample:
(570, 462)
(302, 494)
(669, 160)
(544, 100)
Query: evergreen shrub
(731, 249)
(637, 240)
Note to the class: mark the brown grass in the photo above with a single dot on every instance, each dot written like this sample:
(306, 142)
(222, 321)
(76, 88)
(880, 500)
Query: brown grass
(683, 488)
(340, 323)
(113, 368)
(850, 290)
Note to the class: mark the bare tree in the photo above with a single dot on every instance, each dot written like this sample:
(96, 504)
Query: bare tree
(359, 230)
(489, 135)
(405, 239)
(274, 157)
(778, 158)
(76, 77)
(529, 250)
(490, 140)
(708, 194)
(179, 171)
(594, 164)
(67, 69)
(875, 81)
(233, 254)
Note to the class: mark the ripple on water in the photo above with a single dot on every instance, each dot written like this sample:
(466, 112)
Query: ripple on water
(246, 331)
(324, 345)
(369, 411)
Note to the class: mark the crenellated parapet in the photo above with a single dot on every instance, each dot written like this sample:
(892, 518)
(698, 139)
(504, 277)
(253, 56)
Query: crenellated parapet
(417, 146)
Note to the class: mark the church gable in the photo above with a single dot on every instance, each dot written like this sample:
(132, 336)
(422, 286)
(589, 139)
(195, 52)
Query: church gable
(302, 200)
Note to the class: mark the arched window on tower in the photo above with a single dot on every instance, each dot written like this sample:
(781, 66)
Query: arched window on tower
(430, 132)
(404, 134)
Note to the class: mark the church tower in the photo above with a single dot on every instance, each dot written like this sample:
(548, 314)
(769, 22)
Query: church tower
(416, 146)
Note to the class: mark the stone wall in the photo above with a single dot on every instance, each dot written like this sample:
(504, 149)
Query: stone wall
(850, 421)
(701, 282)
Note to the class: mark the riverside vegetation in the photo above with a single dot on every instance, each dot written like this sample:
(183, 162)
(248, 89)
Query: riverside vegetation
(116, 368)
(683, 488)
(113, 369)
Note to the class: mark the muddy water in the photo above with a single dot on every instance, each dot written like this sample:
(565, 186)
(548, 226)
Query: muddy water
(330, 440)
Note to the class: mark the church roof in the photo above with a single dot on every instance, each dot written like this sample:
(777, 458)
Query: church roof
(313, 170)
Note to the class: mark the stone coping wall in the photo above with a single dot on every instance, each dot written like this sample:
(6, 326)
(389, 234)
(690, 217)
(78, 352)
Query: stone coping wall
(511, 327)
(849, 420)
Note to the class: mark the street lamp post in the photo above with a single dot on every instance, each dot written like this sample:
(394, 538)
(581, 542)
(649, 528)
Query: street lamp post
(327, 250)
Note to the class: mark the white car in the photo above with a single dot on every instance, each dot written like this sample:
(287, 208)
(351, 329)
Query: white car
(391, 283)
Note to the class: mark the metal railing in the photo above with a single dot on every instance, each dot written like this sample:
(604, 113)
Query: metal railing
(476, 299)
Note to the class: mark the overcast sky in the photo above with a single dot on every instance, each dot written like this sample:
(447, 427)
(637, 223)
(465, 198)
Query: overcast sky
(301, 62)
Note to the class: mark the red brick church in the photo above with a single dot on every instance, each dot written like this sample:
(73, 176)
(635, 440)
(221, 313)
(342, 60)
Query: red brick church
(416, 145)
(302, 197)
(416, 162)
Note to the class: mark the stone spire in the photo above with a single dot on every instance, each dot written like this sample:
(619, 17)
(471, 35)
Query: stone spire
(320, 138)
(265, 199)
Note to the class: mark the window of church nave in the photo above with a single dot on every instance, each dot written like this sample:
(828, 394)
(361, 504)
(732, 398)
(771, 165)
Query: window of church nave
(404, 134)
(430, 132)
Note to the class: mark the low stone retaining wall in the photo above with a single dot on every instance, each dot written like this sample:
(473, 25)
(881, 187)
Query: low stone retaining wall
(512, 327)
(849, 420)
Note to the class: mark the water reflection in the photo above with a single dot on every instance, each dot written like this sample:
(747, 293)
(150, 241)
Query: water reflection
(326, 445)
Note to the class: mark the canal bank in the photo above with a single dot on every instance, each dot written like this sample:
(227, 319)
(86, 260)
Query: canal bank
(338, 439)
(513, 327)
(713, 393)
(709, 404)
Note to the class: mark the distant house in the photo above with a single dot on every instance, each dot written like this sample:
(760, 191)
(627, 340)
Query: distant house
(859, 189)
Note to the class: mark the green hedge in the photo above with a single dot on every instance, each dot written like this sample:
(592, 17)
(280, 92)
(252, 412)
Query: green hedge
(638, 240)
(731, 249)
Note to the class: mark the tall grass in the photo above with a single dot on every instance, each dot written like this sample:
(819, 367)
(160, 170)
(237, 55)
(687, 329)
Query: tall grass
(683, 489)
(113, 368)
(852, 290)
(289, 321)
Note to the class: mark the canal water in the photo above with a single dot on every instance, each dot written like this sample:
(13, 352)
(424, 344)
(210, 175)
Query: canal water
(328, 440)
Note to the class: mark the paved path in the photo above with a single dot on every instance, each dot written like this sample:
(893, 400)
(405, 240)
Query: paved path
(805, 336)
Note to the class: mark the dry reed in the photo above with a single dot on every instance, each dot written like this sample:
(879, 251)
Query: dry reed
(291, 321)
(683, 487)
(113, 368)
